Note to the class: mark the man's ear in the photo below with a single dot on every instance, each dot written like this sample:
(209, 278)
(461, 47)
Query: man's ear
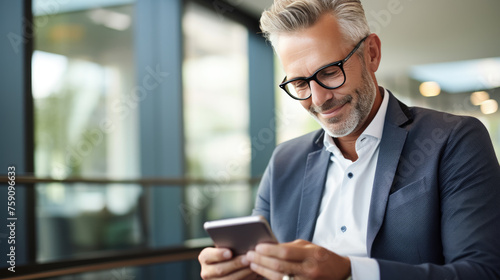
(372, 52)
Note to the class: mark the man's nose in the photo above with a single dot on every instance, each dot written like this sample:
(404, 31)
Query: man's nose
(319, 93)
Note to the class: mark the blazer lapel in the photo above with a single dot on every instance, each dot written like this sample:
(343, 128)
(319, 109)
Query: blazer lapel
(391, 146)
(312, 191)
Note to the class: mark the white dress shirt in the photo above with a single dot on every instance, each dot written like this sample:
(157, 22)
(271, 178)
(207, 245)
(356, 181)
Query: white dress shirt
(342, 223)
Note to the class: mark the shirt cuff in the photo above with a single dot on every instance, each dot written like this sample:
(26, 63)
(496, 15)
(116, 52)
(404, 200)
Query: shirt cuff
(364, 269)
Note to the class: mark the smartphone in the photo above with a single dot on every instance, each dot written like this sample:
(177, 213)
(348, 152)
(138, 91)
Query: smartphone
(240, 234)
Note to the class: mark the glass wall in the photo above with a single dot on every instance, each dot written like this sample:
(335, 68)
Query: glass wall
(85, 126)
(215, 72)
(88, 125)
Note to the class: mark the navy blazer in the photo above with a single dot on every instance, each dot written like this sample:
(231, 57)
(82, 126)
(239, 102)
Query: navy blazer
(435, 205)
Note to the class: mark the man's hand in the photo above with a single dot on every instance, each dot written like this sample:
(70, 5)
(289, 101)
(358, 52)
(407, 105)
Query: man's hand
(218, 264)
(299, 258)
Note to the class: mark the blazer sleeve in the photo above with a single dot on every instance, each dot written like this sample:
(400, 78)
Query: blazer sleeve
(262, 201)
(469, 179)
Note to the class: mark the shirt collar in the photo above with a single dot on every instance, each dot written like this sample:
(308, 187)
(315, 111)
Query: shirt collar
(376, 126)
(374, 129)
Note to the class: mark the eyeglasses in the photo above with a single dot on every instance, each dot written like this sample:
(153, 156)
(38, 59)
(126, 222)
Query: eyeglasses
(330, 76)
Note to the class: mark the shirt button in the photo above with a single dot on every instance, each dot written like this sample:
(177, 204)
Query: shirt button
(343, 228)
(350, 175)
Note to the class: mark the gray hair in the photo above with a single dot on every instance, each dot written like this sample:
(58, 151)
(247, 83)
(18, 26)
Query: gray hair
(286, 16)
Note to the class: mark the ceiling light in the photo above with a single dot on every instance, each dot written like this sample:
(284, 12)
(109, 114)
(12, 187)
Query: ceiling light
(429, 89)
(478, 97)
(489, 106)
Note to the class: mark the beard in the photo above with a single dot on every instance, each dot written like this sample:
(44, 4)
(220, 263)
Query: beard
(365, 97)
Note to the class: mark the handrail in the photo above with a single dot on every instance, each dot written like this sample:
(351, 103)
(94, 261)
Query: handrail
(151, 181)
(60, 268)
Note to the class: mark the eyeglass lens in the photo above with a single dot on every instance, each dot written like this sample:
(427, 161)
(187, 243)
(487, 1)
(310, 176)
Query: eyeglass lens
(330, 77)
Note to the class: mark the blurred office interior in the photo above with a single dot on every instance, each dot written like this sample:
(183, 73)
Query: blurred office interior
(132, 122)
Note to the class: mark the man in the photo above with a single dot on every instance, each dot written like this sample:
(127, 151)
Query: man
(383, 191)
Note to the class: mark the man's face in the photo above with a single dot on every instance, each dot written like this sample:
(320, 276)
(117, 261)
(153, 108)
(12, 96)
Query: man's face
(339, 111)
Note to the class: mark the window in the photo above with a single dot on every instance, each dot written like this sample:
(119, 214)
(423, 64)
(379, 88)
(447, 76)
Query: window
(216, 120)
(85, 126)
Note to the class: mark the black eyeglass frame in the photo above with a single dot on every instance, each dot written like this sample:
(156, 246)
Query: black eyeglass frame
(339, 63)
